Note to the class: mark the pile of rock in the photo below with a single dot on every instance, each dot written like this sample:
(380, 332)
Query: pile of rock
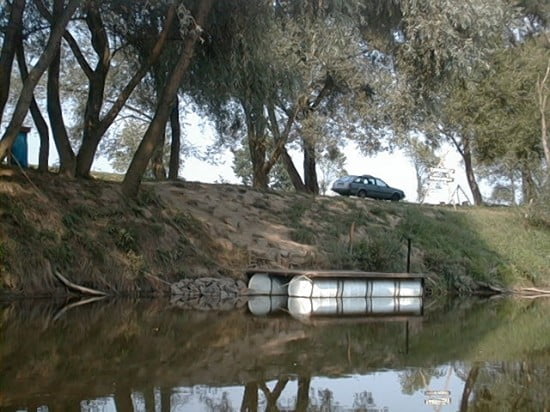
(209, 293)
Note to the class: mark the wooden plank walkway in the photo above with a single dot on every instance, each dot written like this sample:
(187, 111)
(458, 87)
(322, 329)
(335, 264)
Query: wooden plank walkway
(333, 273)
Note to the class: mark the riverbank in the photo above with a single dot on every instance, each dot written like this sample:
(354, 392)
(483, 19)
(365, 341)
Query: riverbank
(89, 233)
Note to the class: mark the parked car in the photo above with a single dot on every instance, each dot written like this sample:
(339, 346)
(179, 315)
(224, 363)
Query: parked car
(366, 186)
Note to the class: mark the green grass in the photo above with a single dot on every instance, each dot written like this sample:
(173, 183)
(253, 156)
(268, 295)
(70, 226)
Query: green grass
(457, 248)
(297, 210)
(525, 249)
(303, 235)
(484, 244)
(451, 245)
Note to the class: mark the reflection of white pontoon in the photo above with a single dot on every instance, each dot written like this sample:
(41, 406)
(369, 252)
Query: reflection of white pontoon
(301, 308)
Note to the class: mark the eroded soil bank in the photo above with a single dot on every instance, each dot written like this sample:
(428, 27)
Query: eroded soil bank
(89, 233)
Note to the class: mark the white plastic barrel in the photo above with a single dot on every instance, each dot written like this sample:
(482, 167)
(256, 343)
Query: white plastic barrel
(302, 286)
(262, 305)
(304, 307)
(410, 305)
(264, 284)
(384, 288)
(410, 288)
(383, 306)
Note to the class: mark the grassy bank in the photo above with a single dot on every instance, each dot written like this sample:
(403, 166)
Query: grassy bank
(90, 233)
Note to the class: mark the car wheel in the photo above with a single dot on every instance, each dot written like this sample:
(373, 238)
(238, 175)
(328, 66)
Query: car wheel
(362, 193)
(395, 197)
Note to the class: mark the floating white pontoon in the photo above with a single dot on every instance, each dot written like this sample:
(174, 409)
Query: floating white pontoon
(329, 293)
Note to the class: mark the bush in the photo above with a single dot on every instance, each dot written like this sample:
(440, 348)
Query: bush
(379, 253)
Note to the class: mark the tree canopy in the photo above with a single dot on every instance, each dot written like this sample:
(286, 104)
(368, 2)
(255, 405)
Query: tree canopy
(281, 76)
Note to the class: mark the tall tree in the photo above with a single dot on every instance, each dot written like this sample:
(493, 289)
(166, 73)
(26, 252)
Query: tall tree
(543, 90)
(279, 63)
(37, 116)
(7, 53)
(439, 46)
(175, 147)
(503, 110)
(152, 137)
(67, 158)
(26, 95)
(95, 125)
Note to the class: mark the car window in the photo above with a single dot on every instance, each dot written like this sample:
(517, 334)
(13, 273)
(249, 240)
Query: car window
(358, 180)
(380, 182)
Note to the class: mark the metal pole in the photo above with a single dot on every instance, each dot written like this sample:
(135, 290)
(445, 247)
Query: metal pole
(409, 255)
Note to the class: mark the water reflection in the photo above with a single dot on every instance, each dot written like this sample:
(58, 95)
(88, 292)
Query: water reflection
(306, 308)
(151, 356)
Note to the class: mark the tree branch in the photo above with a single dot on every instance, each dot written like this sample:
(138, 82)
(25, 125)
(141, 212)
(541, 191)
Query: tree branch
(281, 139)
(77, 288)
(136, 78)
(68, 38)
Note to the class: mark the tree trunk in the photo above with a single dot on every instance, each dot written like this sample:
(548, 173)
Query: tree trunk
(123, 399)
(61, 138)
(96, 91)
(256, 127)
(157, 161)
(174, 169)
(92, 137)
(302, 399)
(420, 189)
(260, 179)
(280, 150)
(527, 184)
(542, 97)
(165, 403)
(310, 163)
(470, 176)
(8, 50)
(38, 119)
(293, 174)
(26, 95)
(468, 388)
(132, 179)
(256, 146)
(250, 398)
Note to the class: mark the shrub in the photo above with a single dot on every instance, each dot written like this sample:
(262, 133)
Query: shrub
(381, 252)
(303, 235)
(124, 239)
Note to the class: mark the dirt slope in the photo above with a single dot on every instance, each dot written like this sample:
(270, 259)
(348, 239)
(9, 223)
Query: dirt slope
(95, 237)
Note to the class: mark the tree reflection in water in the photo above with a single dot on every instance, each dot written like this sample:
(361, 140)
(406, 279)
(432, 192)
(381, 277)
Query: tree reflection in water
(149, 356)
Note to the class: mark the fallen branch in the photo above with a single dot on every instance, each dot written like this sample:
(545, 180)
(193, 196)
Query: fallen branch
(545, 295)
(70, 306)
(534, 291)
(78, 288)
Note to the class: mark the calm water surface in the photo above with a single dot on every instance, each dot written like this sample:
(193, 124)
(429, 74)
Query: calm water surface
(153, 356)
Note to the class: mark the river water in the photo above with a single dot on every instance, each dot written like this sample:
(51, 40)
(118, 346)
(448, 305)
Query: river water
(151, 355)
